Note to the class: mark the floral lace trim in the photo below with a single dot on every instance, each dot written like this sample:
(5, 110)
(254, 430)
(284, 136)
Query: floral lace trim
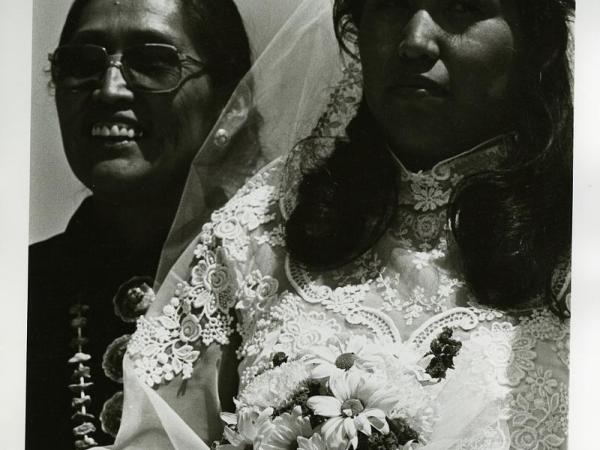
(492, 437)
(341, 108)
(166, 346)
(298, 330)
(345, 300)
(539, 415)
(420, 231)
(454, 318)
(343, 102)
(536, 405)
(200, 310)
(420, 300)
(430, 189)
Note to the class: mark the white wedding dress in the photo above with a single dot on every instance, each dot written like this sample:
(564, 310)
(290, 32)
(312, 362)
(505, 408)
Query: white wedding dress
(407, 288)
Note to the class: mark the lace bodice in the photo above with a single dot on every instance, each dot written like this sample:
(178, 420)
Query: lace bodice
(406, 288)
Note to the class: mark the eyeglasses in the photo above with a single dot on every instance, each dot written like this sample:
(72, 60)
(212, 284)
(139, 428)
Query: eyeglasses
(156, 68)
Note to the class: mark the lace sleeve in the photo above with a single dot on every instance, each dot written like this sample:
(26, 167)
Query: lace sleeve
(538, 405)
(199, 311)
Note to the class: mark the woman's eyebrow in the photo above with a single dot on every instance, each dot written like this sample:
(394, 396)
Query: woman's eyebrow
(150, 36)
(131, 37)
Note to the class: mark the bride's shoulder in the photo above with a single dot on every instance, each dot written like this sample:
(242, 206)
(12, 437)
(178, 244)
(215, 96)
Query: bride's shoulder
(254, 204)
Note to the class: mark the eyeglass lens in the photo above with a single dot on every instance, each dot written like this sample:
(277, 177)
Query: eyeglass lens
(150, 67)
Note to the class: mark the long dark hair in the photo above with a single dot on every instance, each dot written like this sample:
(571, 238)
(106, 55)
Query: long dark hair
(214, 27)
(512, 227)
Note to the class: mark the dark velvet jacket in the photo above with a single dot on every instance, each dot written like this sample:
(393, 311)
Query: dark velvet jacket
(87, 263)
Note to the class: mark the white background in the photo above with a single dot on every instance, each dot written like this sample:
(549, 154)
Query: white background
(55, 192)
(16, 97)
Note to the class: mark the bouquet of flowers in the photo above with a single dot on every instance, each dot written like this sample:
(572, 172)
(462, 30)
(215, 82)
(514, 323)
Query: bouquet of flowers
(350, 393)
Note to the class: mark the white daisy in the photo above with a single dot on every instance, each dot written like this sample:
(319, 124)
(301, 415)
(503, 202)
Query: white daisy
(359, 402)
(281, 432)
(248, 422)
(316, 442)
(340, 355)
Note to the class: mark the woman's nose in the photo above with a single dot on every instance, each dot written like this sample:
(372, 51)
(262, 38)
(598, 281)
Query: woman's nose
(113, 87)
(419, 38)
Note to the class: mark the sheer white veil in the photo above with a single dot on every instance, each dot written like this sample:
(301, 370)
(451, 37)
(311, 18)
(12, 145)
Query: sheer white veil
(297, 67)
(297, 63)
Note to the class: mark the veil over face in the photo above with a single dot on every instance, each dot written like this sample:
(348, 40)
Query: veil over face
(277, 104)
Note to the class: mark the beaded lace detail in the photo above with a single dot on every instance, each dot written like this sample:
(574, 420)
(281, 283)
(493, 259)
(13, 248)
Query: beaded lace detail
(163, 346)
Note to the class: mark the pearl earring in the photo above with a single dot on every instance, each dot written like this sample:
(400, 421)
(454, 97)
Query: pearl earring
(222, 137)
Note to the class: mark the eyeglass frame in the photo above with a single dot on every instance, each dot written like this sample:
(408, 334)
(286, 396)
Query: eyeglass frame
(112, 61)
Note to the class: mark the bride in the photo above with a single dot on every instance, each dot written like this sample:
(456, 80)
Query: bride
(443, 211)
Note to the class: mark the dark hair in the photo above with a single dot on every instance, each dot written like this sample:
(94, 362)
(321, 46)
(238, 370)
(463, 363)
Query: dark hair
(512, 227)
(216, 31)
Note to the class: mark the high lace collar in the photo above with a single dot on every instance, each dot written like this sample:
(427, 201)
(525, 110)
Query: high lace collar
(430, 189)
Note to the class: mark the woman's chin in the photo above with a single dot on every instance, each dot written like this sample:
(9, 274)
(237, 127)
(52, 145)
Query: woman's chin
(119, 178)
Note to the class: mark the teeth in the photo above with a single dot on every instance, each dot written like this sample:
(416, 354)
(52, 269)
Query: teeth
(115, 130)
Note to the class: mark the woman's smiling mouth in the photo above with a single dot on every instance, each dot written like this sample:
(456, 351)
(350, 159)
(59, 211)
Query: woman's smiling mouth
(115, 131)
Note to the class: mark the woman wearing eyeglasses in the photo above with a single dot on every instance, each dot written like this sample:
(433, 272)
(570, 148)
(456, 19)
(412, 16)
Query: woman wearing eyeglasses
(138, 85)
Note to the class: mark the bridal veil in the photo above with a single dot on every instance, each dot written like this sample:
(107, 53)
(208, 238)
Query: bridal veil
(297, 65)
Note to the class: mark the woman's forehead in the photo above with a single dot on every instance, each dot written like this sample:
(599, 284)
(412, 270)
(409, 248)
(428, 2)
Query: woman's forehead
(131, 21)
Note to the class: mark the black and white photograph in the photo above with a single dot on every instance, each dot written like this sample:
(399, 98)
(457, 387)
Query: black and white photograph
(308, 224)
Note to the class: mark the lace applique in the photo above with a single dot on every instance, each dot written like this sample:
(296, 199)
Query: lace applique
(165, 346)
(431, 189)
(434, 299)
(421, 231)
(304, 331)
(456, 317)
(484, 313)
(255, 327)
(244, 213)
(345, 300)
(510, 352)
(343, 102)
(426, 193)
(537, 404)
(256, 292)
(341, 108)
(539, 414)
(362, 270)
(492, 437)
(543, 325)
(421, 218)
(275, 237)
